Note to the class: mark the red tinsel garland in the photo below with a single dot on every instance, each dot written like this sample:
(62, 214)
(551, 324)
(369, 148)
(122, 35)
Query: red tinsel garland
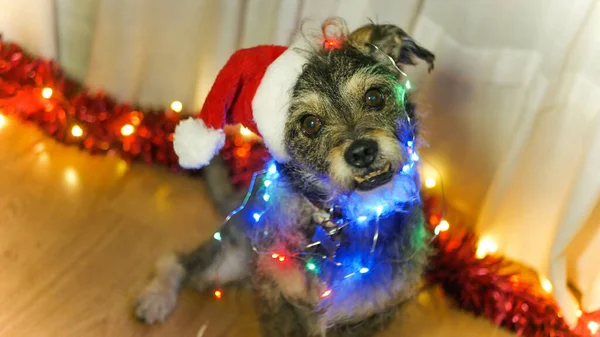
(491, 286)
(36, 90)
(484, 286)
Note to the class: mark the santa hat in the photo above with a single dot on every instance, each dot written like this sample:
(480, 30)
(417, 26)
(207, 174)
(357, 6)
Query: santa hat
(253, 89)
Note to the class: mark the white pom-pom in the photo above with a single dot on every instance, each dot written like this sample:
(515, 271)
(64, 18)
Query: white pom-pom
(196, 144)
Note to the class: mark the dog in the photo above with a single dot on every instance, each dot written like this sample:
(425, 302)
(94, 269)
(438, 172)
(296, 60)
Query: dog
(347, 131)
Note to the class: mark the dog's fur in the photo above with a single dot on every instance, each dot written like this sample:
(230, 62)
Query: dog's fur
(331, 87)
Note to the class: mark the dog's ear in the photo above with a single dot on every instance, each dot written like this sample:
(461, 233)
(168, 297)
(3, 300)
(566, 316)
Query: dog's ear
(393, 41)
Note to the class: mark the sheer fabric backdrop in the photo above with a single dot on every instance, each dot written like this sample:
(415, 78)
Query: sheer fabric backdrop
(512, 109)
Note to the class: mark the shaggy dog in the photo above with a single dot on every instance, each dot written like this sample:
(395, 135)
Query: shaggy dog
(317, 264)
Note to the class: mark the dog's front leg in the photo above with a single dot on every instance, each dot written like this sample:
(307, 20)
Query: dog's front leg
(214, 262)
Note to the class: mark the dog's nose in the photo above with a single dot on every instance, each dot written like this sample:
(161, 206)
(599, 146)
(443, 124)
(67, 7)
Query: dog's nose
(362, 153)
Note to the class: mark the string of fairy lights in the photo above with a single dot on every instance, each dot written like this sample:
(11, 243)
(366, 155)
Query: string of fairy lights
(358, 214)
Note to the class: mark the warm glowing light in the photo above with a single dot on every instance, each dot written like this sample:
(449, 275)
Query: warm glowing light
(430, 182)
(578, 313)
(176, 106)
(47, 92)
(39, 147)
(217, 236)
(135, 120)
(275, 255)
(71, 176)
(547, 285)
(593, 326)
(77, 131)
(434, 219)
(127, 130)
(244, 131)
(442, 227)
(326, 293)
(281, 258)
(2, 120)
(485, 247)
(218, 294)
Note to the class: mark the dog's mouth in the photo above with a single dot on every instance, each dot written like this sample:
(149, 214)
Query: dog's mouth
(374, 178)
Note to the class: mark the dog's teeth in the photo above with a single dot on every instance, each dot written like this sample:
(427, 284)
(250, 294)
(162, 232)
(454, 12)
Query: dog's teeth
(373, 174)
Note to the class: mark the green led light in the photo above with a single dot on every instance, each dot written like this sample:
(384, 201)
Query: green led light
(217, 236)
(408, 85)
(311, 266)
(401, 92)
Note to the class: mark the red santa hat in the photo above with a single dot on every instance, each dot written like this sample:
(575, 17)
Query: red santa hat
(252, 89)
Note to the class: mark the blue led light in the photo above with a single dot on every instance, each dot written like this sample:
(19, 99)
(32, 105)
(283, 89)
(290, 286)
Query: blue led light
(405, 168)
(379, 209)
(272, 169)
(266, 197)
(267, 183)
(363, 270)
(256, 216)
(410, 143)
(414, 157)
(361, 218)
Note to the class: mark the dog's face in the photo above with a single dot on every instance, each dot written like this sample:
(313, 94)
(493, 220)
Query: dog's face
(347, 120)
(344, 117)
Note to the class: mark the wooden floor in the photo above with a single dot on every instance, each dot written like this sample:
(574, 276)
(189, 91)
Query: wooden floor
(79, 235)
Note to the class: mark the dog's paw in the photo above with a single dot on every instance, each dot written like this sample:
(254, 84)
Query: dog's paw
(155, 303)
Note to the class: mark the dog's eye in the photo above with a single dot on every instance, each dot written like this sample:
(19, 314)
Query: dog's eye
(311, 125)
(374, 99)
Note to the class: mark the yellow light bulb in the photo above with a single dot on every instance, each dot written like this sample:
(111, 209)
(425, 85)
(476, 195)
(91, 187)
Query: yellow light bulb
(127, 130)
(47, 92)
(547, 285)
(244, 131)
(2, 120)
(77, 131)
(485, 247)
(176, 106)
(578, 313)
(442, 227)
(593, 326)
(430, 182)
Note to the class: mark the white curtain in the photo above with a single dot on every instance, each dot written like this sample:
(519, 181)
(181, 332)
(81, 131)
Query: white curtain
(512, 111)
